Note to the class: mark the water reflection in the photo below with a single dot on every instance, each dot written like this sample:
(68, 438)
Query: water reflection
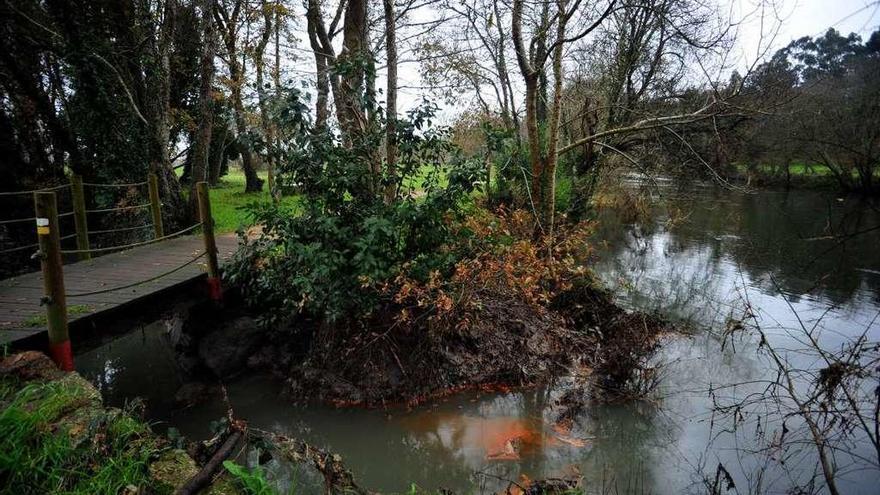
(728, 247)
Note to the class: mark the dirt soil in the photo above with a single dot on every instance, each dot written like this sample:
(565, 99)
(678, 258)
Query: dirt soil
(511, 344)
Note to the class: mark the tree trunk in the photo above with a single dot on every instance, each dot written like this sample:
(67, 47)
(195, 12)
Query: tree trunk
(548, 196)
(253, 183)
(534, 140)
(237, 80)
(276, 78)
(541, 48)
(202, 143)
(159, 83)
(391, 104)
(349, 109)
(260, 65)
(313, 21)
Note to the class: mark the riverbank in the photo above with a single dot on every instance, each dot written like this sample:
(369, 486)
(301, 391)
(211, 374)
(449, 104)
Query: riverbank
(56, 436)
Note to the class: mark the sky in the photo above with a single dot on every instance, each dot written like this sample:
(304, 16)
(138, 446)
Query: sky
(799, 18)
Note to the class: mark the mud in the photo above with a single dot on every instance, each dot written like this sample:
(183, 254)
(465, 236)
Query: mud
(511, 344)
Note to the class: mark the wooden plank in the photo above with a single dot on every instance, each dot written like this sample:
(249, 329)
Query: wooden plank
(20, 296)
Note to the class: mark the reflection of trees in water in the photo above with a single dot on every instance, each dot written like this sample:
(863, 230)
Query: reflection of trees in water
(627, 439)
(659, 273)
(763, 234)
(773, 232)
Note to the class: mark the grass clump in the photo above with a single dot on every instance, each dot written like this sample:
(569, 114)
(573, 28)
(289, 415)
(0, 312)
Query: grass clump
(250, 481)
(55, 437)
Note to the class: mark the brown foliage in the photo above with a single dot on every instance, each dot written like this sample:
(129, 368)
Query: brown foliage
(505, 264)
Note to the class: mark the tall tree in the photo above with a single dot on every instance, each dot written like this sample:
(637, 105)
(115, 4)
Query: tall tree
(532, 63)
(391, 102)
(228, 16)
(270, 12)
(202, 144)
(159, 106)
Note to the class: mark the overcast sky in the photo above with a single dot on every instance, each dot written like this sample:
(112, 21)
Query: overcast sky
(804, 18)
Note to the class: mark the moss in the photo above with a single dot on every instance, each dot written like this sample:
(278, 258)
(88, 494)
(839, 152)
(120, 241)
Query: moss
(172, 470)
(175, 467)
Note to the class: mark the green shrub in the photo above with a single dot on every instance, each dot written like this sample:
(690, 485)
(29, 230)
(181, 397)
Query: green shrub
(251, 481)
(347, 237)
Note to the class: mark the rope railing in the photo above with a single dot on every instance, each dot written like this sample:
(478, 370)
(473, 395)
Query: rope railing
(19, 248)
(133, 244)
(120, 184)
(80, 212)
(121, 229)
(31, 219)
(119, 208)
(18, 220)
(31, 191)
(33, 246)
(26, 247)
(141, 282)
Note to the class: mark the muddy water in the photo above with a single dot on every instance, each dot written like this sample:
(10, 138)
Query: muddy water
(703, 256)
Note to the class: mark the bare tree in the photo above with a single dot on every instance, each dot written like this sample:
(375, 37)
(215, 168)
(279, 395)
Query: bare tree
(821, 396)
(532, 63)
(454, 60)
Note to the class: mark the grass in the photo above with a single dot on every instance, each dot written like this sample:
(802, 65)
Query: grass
(796, 170)
(39, 320)
(228, 200)
(55, 437)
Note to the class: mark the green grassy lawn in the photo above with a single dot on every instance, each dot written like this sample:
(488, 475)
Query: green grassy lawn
(796, 170)
(228, 200)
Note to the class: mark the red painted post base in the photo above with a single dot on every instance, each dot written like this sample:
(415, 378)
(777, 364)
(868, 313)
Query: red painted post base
(62, 354)
(215, 290)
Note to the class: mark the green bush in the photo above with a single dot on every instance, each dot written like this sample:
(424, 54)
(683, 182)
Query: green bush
(347, 238)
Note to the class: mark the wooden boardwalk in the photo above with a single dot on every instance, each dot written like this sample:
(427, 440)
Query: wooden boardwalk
(22, 317)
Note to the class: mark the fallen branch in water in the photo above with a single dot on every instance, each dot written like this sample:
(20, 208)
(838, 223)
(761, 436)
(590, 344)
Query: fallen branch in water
(237, 431)
(205, 475)
(337, 479)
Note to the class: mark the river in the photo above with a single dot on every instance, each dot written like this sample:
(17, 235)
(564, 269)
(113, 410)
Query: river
(703, 255)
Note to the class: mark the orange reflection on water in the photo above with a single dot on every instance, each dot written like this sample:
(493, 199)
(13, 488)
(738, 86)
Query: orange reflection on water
(479, 438)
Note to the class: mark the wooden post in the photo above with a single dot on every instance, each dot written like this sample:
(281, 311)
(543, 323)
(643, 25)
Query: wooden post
(79, 217)
(215, 290)
(155, 206)
(46, 208)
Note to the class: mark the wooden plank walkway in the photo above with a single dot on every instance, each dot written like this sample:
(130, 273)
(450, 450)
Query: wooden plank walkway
(21, 315)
